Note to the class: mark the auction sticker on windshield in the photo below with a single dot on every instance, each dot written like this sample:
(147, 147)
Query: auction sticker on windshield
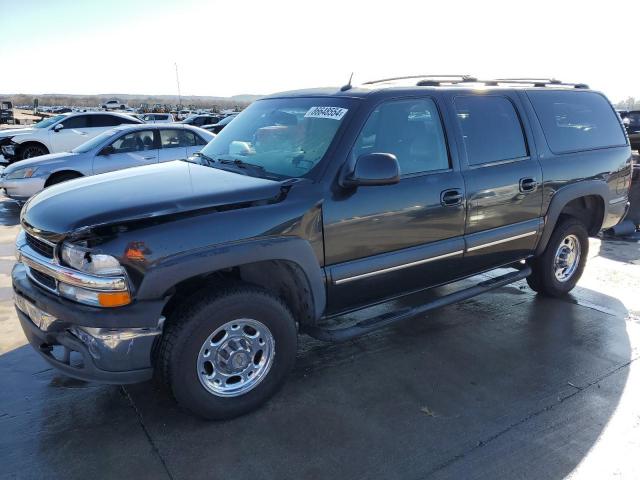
(335, 113)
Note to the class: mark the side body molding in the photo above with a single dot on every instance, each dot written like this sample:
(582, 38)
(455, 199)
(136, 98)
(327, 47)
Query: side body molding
(173, 270)
(563, 196)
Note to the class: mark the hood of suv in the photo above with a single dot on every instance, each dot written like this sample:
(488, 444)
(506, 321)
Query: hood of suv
(141, 192)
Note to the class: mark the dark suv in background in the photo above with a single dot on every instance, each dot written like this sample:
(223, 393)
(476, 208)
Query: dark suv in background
(309, 205)
(632, 123)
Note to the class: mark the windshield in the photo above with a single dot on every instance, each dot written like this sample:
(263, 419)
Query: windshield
(48, 121)
(94, 142)
(286, 137)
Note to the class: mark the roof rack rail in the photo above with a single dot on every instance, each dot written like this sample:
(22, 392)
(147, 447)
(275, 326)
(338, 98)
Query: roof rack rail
(442, 78)
(536, 82)
(437, 80)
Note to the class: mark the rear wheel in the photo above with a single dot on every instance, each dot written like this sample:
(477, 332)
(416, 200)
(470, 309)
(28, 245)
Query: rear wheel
(560, 266)
(225, 355)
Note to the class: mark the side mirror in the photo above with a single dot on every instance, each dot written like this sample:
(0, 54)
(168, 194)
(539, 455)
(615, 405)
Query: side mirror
(108, 150)
(374, 169)
(58, 127)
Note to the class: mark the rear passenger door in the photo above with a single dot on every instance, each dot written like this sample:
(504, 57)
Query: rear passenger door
(382, 241)
(503, 179)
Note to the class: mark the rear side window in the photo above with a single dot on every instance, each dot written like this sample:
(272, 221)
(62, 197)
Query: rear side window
(574, 121)
(491, 129)
(79, 121)
(105, 120)
(177, 138)
(409, 129)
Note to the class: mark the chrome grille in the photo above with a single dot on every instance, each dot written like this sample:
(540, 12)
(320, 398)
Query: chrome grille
(43, 248)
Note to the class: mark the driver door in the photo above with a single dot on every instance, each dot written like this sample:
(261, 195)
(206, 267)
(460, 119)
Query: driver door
(134, 149)
(383, 241)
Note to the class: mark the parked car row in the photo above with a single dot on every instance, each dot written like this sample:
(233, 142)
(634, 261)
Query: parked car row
(59, 133)
(63, 132)
(117, 148)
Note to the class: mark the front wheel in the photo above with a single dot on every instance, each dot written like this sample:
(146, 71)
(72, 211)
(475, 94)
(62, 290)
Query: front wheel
(32, 150)
(558, 269)
(225, 355)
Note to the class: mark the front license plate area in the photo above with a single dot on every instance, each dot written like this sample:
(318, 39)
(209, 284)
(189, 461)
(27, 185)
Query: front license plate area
(39, 317)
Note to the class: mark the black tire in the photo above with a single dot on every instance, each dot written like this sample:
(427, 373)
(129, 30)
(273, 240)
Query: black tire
(192, 325)
(62, 177)
(543, 278)
(31, 150)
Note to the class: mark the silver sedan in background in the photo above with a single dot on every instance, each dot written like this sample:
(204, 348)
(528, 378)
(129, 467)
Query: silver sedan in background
(121, 147)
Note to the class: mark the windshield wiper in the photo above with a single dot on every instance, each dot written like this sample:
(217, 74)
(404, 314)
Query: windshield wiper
(241, 164)
(258, 170)
(210, 161)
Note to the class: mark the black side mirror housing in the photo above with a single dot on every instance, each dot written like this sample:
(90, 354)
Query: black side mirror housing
(108, 150)
(374, 169)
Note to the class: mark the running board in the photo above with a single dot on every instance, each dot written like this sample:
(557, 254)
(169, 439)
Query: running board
(381, 321)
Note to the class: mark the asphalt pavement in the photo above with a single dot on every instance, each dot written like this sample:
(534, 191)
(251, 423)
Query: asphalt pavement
(506, 385)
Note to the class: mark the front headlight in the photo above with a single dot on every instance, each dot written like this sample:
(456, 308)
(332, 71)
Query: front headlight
(93, 263)
(21, 173)
(83, 260)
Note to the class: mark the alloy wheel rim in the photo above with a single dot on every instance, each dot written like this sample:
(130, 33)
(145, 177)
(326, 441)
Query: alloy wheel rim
(567, 258)
(236, 357)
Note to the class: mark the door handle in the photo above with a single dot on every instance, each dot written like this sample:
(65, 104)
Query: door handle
(451, 197)
(148, 158)
(528, 185)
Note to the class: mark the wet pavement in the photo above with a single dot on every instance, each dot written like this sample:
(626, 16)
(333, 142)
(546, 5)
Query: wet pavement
(506, 385)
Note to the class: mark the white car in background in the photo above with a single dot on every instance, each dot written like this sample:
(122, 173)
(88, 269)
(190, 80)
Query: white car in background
(60, 133)
(156, 117)
(114, 104)
(117, 148)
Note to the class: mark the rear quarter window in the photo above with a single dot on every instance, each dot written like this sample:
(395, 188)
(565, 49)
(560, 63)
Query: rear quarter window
(575, 121)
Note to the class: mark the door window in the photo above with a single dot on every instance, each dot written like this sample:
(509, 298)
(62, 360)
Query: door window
(491, 129)
(177, 138)
(101, 121)
(134, 142)
(79, 121)
(409, 129)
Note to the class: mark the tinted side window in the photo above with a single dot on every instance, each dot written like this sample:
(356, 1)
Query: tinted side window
(200, 140)
(105, 120)
(574, 121)
(491, 129)
(409, 129)
(80, 121)
(634, 119)
(177, 138)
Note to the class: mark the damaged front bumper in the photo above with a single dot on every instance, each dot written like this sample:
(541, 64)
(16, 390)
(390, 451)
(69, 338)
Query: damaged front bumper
(85, 349)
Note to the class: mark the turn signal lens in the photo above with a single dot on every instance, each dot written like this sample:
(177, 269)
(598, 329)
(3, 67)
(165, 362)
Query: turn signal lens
(114, 299)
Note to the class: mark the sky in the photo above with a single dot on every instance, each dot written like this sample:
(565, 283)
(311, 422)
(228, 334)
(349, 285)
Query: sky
(232, 47)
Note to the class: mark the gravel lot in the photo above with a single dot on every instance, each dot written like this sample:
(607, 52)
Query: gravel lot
(506, 385)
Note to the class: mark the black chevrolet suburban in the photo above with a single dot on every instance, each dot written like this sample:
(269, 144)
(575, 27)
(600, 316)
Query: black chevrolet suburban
(309, 205)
